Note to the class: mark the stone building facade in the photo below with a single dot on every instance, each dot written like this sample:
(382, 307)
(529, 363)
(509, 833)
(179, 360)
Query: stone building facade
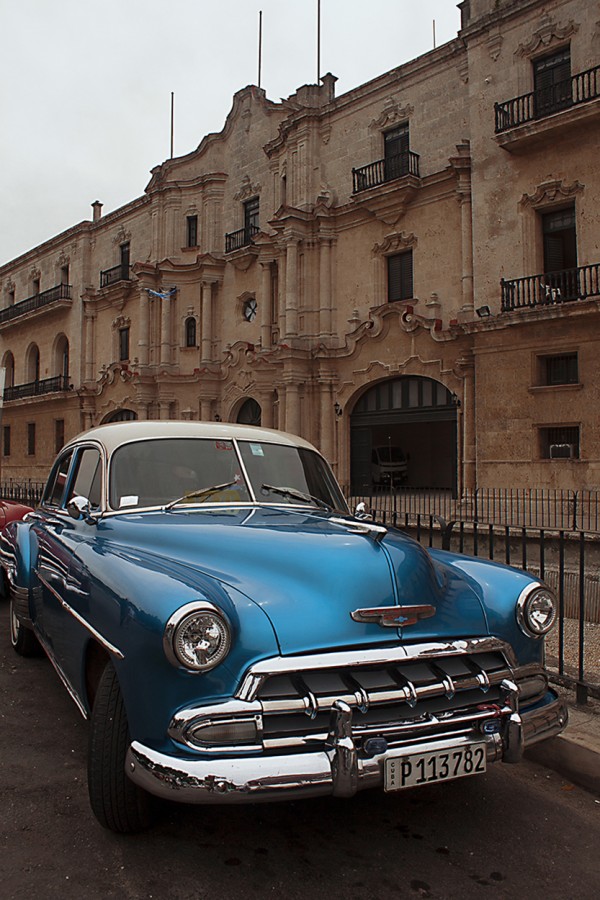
(413, 265)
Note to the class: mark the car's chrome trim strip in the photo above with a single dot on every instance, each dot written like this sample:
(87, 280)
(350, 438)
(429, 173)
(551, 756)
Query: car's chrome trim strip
(96, 634)
(70, 689)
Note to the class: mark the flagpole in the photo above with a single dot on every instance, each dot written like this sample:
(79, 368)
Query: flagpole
(259, 45)
(172, 120)
(318, 41)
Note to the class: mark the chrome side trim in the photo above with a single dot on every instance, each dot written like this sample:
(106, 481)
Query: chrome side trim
(383, 656)
(96, 634)
(70, 689)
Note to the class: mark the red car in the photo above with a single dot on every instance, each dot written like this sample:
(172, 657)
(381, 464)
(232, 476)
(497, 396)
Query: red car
(11, 510)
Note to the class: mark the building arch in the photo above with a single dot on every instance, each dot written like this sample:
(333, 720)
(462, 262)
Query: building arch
(8, 363)
(120, 415)
(403, 430)
(60, 356)
(32, 364)
(249, 413)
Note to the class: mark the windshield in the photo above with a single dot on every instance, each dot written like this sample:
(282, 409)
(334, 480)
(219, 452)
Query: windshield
(178, 471)
(390, 454)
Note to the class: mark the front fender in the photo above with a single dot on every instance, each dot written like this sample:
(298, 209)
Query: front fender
(16, 556)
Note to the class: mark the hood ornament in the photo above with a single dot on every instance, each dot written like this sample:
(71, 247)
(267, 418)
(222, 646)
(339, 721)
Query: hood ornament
(393, 616)
(360, 526)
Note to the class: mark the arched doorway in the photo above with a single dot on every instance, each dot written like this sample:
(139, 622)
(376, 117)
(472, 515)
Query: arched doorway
(403, 431)
(249, 413)
(120, 415)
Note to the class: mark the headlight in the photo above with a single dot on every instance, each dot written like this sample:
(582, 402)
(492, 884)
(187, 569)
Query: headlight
(197, 637)
(536, 610)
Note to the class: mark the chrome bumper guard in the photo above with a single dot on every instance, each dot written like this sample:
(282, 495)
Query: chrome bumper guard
(338, 769)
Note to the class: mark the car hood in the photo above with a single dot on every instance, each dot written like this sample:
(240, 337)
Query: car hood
(309, 571)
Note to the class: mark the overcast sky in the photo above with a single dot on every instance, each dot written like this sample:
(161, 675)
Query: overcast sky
(85, 86)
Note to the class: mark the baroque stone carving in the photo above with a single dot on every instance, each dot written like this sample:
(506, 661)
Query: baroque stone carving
(550, 192)
(546, 34)
(393, 243)
(122, 236)
(391, 113)
(247, 189)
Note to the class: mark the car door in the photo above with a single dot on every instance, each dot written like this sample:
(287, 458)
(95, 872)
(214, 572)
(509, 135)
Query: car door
(62, 603)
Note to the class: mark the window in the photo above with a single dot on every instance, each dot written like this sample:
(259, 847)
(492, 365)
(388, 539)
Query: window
(124, 261)
(56, 483)
(59, 435)
(559, 369)
(552, 82)
(123, 344)
(87, 479)
(6, 440)
(31, 438)
(192, 231)
(35, 286)
(396, 152)
(64, 274)
(559, 442)
(400, 276)
(190, 332)
(560, 254)
(251, 208)
(249, 309)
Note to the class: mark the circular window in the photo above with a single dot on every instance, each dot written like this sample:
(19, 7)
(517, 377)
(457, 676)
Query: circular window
(249, 309)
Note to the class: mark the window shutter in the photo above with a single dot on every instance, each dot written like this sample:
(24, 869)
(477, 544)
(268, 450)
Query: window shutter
(400, 276)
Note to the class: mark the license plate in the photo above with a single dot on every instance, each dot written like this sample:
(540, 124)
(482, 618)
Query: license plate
(440, 765)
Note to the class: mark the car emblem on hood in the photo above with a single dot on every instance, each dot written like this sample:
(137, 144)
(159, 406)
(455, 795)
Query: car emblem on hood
(393, 616)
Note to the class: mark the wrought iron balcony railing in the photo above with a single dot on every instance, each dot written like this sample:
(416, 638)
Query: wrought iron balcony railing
(578, 89)
(35, 388)
(554, 287)
(112, 276)
(235, 240)
(60, 292)
(385, 170)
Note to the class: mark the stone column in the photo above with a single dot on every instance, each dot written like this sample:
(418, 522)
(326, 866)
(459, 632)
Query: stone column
(325, 310)
(462, 166)
(206, 343)
(89, 331)
(165, 332)
(468, 412)
(265, 398)
(291, 288)
(205, 409)
(144, 328)
(327, 416)
(265, 305)
(292, 407)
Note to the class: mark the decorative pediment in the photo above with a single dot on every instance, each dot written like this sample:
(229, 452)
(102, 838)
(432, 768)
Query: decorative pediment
(394, 243)
(546, 35)
(247, 189)
(121, 322)
(122, 236)
(391, 113)
(551, 192)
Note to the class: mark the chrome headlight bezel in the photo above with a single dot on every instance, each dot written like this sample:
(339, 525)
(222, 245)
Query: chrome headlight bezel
(182, 619)
(527, 605)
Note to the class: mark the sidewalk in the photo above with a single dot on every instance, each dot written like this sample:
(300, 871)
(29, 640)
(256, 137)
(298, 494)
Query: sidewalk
(575, 753)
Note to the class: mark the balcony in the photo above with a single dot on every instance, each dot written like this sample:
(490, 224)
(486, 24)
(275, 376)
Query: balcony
(235, 240)
(531, 116)
(38, 301)
(385, 170)
(112, 276)
(551, 288)
(37, 388)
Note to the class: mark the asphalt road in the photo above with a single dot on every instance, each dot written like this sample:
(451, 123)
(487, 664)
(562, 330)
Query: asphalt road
(518, 831)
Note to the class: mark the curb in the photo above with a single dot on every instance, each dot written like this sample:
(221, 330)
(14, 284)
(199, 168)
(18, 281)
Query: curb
(575, 753)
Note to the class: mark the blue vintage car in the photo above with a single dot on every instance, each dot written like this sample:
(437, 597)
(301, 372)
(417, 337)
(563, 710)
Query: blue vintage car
(233, 633)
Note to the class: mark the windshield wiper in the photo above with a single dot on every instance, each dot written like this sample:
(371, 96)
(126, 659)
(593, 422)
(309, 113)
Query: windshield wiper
(201, 492)
(297, 495)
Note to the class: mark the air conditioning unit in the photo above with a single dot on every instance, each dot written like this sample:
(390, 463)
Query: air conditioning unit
(562, 451)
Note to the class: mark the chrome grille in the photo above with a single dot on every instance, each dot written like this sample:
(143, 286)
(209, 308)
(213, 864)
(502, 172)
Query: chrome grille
(431, 689)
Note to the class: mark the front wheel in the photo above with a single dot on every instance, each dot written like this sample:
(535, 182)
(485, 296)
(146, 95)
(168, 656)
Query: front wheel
(118, 803)
(23, 639)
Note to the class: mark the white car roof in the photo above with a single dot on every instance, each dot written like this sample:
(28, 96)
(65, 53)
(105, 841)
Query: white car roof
(115, 434)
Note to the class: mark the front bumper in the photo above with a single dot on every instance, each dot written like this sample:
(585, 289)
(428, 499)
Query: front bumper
(338, 769)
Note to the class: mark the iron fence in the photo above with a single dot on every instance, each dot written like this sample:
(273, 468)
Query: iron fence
(28, 492)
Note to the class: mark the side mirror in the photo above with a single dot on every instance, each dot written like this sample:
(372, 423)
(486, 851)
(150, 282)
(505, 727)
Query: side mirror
(361, 511)
(79, 508)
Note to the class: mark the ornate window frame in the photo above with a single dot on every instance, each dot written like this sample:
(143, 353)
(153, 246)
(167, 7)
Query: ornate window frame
(392, 244)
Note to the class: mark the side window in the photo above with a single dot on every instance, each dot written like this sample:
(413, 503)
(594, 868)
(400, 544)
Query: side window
(55, 487)
(87, 477)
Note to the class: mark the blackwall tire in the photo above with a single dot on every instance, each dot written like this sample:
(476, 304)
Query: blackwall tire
(118, 804)
(23, 639)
